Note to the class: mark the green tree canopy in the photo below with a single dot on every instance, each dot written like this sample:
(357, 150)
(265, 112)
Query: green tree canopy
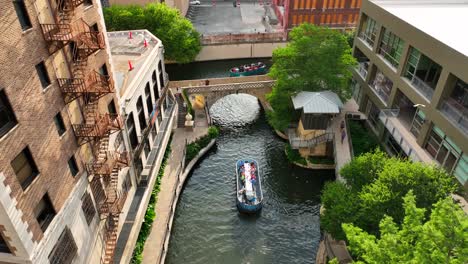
(315, 59)
(376, 185)
(441, 239)
(181, 41)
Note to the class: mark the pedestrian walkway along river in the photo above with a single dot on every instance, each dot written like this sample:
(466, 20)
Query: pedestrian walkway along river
(207, 227)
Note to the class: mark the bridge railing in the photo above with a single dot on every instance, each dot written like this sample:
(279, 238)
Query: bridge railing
(230, 87)
(243, 38)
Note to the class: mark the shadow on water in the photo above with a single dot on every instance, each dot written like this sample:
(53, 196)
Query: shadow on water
(208, 69)
(207, 227)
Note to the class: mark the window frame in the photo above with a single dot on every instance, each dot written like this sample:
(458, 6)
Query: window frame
(141, 114)
(368, 31)
(60, 253)
(59, 124)
(87, 206)
(132, 134)
(22, 14)
(32, 164)
(46, 211)
(391, 47)
(73, 166)
(43, 74)
(5, 106)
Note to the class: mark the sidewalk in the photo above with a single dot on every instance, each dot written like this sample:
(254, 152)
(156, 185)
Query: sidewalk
(342, 150)
(154, 244)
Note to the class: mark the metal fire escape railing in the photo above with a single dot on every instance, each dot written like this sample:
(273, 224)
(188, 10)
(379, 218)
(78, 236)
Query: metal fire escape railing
(298, 142)
(89, 86)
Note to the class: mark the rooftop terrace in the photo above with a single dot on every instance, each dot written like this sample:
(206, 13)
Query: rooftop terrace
(129, 48)
(444, 20)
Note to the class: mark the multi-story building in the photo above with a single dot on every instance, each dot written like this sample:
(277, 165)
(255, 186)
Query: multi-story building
(148, 109)
(64, 176)
(340, 14)
(412, 79)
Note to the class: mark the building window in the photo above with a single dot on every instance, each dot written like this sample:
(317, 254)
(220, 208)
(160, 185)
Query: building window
(7, 117)
(103, 70)
(58, 120)
(141, 114)
(25, 168)
(461, 170)
(132, 131)
(3, 245)
(455, 106)
(372, 113)
(149, 102)
(161, 76)
(44, 212)
(88, 2)
(127, 184)
(391, 47)
(147, 148)
(443, 149)
(138, 165)
(111, 107)
(153, 77)
(43, 75)
(94, 27)
(88, 207)
(73, 166)
(22, 14)
(64, 250)
(98, 192)
(381, 85)
(368, 30)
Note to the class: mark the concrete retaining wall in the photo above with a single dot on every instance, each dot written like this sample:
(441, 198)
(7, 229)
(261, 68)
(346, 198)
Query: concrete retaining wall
(238, 51)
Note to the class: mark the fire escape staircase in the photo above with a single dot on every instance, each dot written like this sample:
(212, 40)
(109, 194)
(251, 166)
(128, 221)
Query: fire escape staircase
(297, 142)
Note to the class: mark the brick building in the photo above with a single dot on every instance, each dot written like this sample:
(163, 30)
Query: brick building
(340, 14)
(412, 79)
(63, 165)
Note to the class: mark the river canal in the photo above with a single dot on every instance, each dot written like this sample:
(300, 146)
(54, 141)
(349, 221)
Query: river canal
(207, 227)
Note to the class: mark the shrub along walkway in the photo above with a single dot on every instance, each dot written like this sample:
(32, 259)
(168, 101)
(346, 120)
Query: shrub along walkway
(154, 244)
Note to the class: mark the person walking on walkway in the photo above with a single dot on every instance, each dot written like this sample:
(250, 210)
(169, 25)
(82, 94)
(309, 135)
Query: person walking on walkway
(343, 135)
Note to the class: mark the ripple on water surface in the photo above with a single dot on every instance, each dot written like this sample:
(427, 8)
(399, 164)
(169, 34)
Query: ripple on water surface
(207, 227)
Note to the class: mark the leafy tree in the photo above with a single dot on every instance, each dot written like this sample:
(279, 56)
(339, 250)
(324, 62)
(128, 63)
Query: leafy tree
(376, 186)
(442, 239)
(180, 39)
(341, 206)
(364, 169)
(315, 59)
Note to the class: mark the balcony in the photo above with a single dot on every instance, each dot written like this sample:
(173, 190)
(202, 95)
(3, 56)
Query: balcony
(94, 86)
(57, 32)
(363, 69)
(456, 113)
(402, 136)
(425, 89)
(382, 86)
(102, 126)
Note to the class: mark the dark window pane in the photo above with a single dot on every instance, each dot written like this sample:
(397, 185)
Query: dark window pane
(43, 75)
(88, 2)
(64, 250)
(25, 168)
(88, 207)
(7, 118)
(3, 245)
(111, 107)
(103, 70)
(95, 27)
(44, 212)
(73, 166)
(149, 102)
(132, 131)
(141, 114)
(59, 124)
(22, 14)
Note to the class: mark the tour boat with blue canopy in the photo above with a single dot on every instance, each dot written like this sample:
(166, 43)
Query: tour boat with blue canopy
(249, 188)
(257, 68)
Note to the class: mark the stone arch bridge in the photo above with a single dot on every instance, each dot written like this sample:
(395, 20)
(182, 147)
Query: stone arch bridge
(217, 91)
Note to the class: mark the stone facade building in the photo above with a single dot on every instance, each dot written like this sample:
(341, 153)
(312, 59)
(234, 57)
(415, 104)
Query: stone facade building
(65, 179)
(412, 79)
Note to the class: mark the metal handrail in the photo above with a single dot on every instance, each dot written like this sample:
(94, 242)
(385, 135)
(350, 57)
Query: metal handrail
(298, 142)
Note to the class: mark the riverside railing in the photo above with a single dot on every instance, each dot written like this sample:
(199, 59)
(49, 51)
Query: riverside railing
(175, 195)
